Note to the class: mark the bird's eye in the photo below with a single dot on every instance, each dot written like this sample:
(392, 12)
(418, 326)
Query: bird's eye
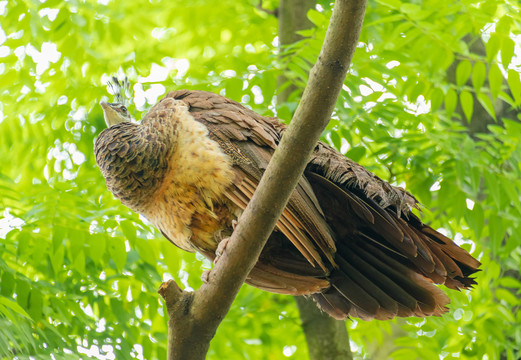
(124, 109)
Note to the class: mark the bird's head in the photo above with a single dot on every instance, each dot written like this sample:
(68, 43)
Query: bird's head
(133, 157)
(115, 113)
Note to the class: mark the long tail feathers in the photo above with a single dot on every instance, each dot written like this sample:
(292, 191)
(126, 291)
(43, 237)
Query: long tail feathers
(371, 284)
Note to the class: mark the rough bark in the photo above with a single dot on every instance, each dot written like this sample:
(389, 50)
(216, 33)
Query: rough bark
(195, 316)
(326, 337)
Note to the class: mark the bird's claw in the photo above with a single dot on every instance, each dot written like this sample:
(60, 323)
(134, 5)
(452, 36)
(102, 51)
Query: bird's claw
(220, 249)
(205, 276)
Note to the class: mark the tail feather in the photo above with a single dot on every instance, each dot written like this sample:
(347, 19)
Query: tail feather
(371, 284)
(427, 295)
(381, 278)
(452, 250)
(383, 299)
(333, 303)
(354, 293)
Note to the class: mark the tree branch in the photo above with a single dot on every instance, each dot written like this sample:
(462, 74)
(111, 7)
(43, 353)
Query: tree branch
(269, 12)
(194, 318)
(326, 337)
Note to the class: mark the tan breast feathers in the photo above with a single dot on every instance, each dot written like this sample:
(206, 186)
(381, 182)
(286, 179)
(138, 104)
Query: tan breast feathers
(191, 193)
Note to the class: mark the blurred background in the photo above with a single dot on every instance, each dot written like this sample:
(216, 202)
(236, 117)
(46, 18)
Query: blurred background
(431, 103)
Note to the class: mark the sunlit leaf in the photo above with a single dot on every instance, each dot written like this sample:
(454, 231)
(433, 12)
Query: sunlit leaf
(479, 72)
(493, 46)
(495, 79)
(515, 85)
(356, 153)
(13, 306)
(463, 71)
(451, 100)
(487, 104)
(507, 51)
(467, 103)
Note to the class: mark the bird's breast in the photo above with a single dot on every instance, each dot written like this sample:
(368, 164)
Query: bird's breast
(189, 206)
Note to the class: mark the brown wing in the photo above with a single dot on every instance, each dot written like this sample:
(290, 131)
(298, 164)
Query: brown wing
(356, 230)
(231, 124)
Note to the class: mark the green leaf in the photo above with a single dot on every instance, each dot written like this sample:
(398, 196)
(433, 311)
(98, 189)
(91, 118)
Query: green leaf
(129, 230)
(476, 219)
(7, 284)
(97, 247)
(492, 46)
(335, 138)
(414, 11)
(496, 232)
(510, 282)
(416, 91)
(463, 71)
(451, 100)
(316, 17)
(436, 98)
(79, 262)
(117, 251)
(487, 104)
(514, 83)
(493, 187)
(14, 306)
(346, 134)
(495, 79)
(57, 259)
(467, 104)
(393, 4)
(507, 296)
(35, 305)
(22, 293)
(58, 237)
(504, 25)
(356, 153)
(146, 252)
(478, 75)
(507, 51)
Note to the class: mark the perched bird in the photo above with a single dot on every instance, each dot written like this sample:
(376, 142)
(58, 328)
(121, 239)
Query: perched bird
(346, 238)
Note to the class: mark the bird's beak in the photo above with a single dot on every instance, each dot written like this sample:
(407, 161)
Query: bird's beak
(111, 116)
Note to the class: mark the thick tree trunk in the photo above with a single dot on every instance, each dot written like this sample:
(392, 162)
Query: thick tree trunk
(326, 337)
(292, 18)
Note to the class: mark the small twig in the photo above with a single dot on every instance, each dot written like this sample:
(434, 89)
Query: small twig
(269, 12)
(170, 292)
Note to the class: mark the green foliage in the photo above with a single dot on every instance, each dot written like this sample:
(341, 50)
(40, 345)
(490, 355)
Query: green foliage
(80, 271)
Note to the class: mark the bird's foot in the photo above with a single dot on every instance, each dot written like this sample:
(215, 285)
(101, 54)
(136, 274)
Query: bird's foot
(234, 224)
(205, 276)
(220, 249)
